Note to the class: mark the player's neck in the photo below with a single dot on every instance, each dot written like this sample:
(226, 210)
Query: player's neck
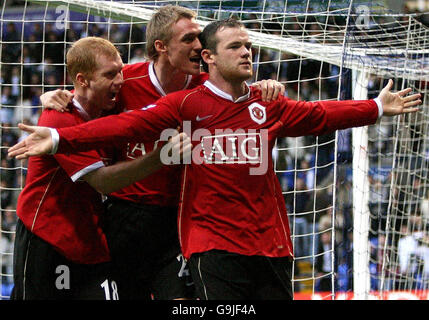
(170, 78)
(91, 109)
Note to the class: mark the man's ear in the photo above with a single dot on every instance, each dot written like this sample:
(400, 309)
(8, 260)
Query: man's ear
(207, 56)
(82, 80)
(160, 46)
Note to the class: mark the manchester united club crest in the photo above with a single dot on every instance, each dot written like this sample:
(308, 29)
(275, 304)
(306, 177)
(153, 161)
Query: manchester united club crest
(257, 113)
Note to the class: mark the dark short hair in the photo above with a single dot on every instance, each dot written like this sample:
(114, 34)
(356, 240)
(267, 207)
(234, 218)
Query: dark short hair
(208, 39)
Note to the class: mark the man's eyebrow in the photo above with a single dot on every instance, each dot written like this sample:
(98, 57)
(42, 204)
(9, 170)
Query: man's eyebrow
(113, 69)
(239, 43)
(190, 35)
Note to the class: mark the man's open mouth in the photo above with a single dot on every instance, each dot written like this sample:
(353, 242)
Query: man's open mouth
(195, 59)
(113, 95)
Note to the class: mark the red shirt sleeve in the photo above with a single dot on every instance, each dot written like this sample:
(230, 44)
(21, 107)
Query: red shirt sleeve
(300, 118)
(142, 125)
(76, 164)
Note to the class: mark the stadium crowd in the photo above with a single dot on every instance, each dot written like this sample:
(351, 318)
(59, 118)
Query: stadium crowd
(38, 66)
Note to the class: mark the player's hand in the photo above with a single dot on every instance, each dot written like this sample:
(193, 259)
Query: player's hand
(398, 102)
(57, 99)
(270, 89)
(181, 144)
(38, 142)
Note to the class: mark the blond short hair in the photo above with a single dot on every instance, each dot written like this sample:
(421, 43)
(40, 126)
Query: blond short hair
(160, 26)
(83, 55)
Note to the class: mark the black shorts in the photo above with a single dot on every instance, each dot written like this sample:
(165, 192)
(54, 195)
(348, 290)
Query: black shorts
(41, 273)
(221, 275)
(145, 249)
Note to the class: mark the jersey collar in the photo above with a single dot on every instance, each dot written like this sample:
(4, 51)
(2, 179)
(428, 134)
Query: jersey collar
(81, 110)
(157, 85)
(225, 95)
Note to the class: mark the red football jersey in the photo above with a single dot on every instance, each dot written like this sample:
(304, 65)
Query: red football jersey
(141, 88)
(230, 196)
(60, 208)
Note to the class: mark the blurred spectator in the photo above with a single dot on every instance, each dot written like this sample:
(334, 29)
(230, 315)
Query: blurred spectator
(6, 248)
(52, 81)
(326, 262)
(139, 56)
(84, 30)
(35, 48)
(95, 30)
(295, 148)
(305, 90)
(9, 219)
(6, 267)
(423, 252)
(299, 225)
(320, 204)
(16, 83)
(116, 35)
(7, 103)
(37, 31)
(284, 63)
(332, 81)
(378, 202)
(3, 76)
(8, 136)
(344, 146)
(5, 194)
(11, 43)
(266, 69)
(11, 3)
(136, 37)
(424, 208)
(49, 32)
(317, 93)
(54, 47)
(47, 69)
(71, 36)
(413, 252)
(28, 113)
(7, 174)
(324, 155)
(307, 172)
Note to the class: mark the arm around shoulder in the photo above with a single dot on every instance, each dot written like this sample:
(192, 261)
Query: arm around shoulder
(112, 178)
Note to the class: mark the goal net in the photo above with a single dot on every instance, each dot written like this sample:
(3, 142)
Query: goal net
(357, 200)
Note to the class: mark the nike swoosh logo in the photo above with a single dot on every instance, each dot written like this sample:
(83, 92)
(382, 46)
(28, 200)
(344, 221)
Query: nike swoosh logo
(203, 118)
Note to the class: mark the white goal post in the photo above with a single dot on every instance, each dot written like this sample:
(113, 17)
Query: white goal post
(357, 200)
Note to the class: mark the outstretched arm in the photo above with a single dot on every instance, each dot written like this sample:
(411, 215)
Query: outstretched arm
(142, 125)
(321, 117)
(40, 141)
(105, 179)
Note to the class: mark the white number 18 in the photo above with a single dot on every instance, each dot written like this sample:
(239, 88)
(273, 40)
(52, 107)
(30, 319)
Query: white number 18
(105, 286)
